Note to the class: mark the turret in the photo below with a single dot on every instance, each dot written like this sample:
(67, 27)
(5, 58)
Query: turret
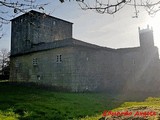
(146, 38)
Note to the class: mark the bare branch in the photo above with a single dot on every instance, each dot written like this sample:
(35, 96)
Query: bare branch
(111, 7)
(108, 8)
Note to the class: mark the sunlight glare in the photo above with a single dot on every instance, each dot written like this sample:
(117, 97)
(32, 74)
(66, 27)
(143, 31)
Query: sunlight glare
(154, 22)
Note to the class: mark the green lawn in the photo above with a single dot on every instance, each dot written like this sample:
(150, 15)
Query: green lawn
(30, 102)
(23, 102)
(139, 110)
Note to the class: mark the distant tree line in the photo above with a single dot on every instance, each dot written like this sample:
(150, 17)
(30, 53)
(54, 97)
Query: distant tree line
(4, 64)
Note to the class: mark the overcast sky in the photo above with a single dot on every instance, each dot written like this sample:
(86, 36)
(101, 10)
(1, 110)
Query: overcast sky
(116, 31)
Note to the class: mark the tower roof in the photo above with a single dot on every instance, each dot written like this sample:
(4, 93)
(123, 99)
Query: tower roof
(33, 12)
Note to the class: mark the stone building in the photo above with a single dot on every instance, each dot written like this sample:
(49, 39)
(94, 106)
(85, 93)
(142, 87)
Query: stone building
(44, 52)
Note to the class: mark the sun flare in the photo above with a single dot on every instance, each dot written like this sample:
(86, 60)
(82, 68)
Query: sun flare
(154, 22)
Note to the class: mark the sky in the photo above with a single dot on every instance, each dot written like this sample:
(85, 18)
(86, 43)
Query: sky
(115, 31)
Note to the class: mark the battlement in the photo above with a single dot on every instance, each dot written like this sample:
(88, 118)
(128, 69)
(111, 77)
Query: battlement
(148, 29)
(146, 38)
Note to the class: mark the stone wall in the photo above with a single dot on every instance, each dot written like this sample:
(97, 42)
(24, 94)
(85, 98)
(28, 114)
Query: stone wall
(34, 28)
(80, 69)
(50, 69)
(114, 70)
(43, 51)
(94, 69)
(141, 69)
(83, 68)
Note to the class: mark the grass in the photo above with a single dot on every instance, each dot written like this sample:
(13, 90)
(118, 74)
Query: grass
(150, 104)
(21, 102)
(29, 102)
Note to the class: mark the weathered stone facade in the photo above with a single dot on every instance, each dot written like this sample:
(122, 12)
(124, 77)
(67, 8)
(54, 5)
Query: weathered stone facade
(33, 29)
(53, 57)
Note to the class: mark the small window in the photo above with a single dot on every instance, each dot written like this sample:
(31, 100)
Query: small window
(54, 22)
(35, 62)
(38, 77)
(59, 59)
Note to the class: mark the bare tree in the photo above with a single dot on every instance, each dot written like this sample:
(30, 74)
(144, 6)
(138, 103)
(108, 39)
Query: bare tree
(10, 8)
(113, 6)
(4, 60)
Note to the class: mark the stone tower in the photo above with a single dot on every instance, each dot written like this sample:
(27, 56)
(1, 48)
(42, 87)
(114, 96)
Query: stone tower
(34, 28)
(146, 38)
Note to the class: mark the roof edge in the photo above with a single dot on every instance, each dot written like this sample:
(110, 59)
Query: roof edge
(34, 11)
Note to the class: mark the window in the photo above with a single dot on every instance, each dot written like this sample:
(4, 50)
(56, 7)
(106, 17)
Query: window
(54, 22)
(35, 62)
(59, 59)
(38, 77)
